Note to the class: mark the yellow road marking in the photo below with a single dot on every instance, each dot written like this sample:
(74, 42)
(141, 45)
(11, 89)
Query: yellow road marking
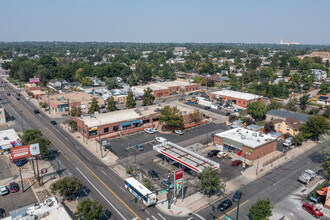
(55, 145)
(17, 106)
(232, 210)
(276, 183)
(98, 177)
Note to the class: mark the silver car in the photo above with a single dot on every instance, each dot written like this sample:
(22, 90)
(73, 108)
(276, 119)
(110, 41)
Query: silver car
(4, 190)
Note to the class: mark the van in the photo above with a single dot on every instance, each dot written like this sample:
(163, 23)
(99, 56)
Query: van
(288, 142)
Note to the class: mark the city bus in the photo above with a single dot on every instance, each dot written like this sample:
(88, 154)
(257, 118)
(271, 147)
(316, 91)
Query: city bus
(141, 192)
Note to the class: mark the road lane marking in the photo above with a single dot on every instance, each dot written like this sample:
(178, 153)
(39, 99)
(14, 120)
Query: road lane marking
(276, 183)
(200, 216)
(96, 176)
(103, 172)
(147, 211)
(17, 107)
(101, 194)
(55, 145)
(160, 216)
(232, 210)
(154, 217)
(121, 188)
(88, 158)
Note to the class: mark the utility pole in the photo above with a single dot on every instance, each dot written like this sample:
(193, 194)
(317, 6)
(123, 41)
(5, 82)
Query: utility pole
(38, 171)
(168, 191)
(20, 173)
(237, 210)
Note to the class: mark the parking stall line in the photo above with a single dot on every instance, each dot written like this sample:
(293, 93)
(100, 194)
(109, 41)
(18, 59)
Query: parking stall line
(154, 217)
(200, 216)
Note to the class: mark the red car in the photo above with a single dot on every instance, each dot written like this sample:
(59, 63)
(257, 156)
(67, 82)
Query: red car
(312, 210)
(236, 163)
(13, 187)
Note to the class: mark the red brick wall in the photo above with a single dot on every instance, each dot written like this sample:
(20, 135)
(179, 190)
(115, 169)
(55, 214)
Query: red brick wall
(161, 93)
(239, 102)
(191, 88)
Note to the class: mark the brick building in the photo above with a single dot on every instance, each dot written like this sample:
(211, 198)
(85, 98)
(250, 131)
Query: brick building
(29, 87)
(239, 98)
(124, 120)
(167, 88)
(62, 103)
(246, 143)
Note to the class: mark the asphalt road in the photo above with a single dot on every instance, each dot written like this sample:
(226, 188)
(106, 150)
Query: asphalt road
(275, 185)
(103, 183)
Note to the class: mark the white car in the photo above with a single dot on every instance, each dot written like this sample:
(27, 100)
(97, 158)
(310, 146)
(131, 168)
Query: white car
(160, 139)
(180, 132)
(150, 130)
(154, 130)
(3, 190)
(27, 98)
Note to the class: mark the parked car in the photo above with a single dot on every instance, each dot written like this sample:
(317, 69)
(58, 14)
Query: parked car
(8, 94)
(154, 130)
(225, 205)
(2, 213)
(237, 196)
(148, 130)
(213, 153)
(4, 190)
(21, 162)
(13, 187)
(27, 98)
(288, 142)
(18, 94)
(160, 139)
(153, 174)
(222, 154)
(312, 210)
(180, 132)
(53, 122)
(18, 98)
(167, 183)
(36, 111)
(236, 163)
(138, 147)
(227, 113)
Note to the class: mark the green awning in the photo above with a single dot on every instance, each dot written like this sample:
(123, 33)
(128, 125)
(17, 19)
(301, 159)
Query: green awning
(233, 143)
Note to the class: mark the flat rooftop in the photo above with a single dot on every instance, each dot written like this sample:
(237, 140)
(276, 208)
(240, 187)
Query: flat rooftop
(7, 137)
(186, 157)
(126, 115)
(164, 85)
(73, 97)
(246, 137)
(236, 94)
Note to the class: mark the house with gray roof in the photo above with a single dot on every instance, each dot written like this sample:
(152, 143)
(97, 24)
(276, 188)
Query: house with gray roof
(283, 114)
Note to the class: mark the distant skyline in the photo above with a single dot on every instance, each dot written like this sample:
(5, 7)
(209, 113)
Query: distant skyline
(211, 21)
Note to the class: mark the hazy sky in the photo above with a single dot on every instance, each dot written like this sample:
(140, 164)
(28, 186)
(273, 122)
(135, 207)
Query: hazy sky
(248, 21)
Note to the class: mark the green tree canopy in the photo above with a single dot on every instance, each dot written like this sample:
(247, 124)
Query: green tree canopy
(326, 166)
(195, 115)
(273, 105)
(32, 136)
(86, 81)
(66, 186)
(76, 111)
(111, 106)
(257, 110)
(88, 210)
(209, 181)
(261, 210)
(148, 97)
(325, 88)
(291, 106)
(315, 126)
(94, 107)
(298, 139)
(130, 101)
(171, 116)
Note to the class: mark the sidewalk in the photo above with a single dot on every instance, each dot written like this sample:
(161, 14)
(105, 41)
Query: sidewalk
(198, 201)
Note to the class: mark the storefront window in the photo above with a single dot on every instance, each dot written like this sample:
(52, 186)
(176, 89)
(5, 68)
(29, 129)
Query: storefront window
(106, 130)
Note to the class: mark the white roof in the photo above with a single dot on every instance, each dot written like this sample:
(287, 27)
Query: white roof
(6, 137)
(162, 85)
(142, 189)
(247, 137)
(236, 94)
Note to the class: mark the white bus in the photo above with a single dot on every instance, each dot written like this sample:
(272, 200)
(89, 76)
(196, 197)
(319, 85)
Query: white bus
(140, 191)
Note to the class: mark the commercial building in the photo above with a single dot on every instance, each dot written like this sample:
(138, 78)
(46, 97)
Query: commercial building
(31, 87)
(290, 125)
(246, 143)
(62, 103)
(9, 139)
(167, 88)
(124, 120)
(239, 98)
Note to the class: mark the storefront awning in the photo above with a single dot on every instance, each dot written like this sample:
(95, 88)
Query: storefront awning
(125, 124)
(136, 121)
(233, 143)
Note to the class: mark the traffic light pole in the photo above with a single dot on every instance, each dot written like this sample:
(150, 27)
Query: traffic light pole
(237, 210)
(168, 191)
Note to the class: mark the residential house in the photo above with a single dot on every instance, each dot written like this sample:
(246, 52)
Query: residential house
(267, 80)
(290, 125)
(319, 74)
(284, 114)
(54, 84)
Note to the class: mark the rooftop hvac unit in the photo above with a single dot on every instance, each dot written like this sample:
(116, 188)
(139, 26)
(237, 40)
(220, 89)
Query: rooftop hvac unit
(258, 140)
(243, 137)
(254, 134)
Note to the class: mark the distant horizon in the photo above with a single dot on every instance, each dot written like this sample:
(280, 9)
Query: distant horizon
(149, 21)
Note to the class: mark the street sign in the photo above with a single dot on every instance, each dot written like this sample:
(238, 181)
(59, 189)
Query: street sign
(178, 175)
(160, 192)
(178, 184)
(227, 217)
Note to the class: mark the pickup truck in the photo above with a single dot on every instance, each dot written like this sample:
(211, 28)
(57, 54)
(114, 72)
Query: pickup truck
(306, 176)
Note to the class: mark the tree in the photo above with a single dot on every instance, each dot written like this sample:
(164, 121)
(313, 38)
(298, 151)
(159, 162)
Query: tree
(303, 101)
(326, 113)
(172, 116)
(88, 210)
(273, 105)
(269, 126)
(209, 181)
(315, 126)
(261, 210)
(130, 101)
(94, 107)
(32, 136)
(66, 186)
(86, 81)
(257, 110)
(326, 166)
(129, 169)
(325, 88)
(195, 115)
(148, 97)
(292, 105)
(298, 139)
(76, 111)
(111, 106)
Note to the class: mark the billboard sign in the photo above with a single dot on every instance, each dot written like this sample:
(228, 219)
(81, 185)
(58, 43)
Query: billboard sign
(178, 185)
(34, 80)
(25, 151)
(178, 175)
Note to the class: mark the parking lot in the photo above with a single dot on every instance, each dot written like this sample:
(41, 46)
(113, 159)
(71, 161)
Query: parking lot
(12, 201)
